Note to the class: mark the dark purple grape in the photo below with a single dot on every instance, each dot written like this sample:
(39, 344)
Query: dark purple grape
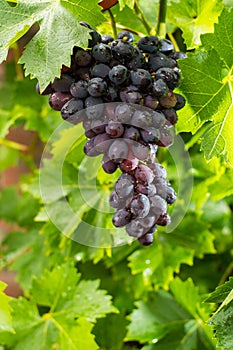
(97, 87)
(111, 94)
(126, 36)
(144, 174)
(116, 202)
(148, 221)
(90, 149)
(90, 133)
(158, 170)
(177, 55)
(71, 110)
(83, 73)
(137, 61)
(166, 46)
(159, 88)
(170, 115)
(180, 102)
(102, 53)
(106, 39)
(58, 99)
(63, 83)
(100, 70)
(121, 218)
(140, 206)
(166, 138)
(102, 142)
(131, 94)
(98, 126)
(141, 78)
(131, 133)
(135, 228)
(149, 190)
(151, 135)
(158, 206)
(123, 113)
(124, 186)
(118, 74)
(149, 44)
(159, 119)
(142, 119)
(118, 150)
(108, 165)
(140, 151)
(82, 58)
(79, 89)
(151, 102)
(114, 129)
(170, 76)
(159, 60)
(93, 101)
(129, 164)
(122, 50)
(146, 239)
(163, 220)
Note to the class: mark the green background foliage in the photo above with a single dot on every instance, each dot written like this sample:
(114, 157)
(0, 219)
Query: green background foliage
(173, 295)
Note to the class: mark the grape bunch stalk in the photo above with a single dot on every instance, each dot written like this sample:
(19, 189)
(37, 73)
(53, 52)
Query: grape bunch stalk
(123, 93)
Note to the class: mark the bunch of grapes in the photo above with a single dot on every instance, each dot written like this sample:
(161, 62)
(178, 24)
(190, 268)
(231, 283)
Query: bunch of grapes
(123, 94)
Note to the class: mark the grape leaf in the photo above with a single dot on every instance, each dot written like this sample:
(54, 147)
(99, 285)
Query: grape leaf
(222, 293)
(208, 87)
(59, 32)
(222, 322)
(170, 251)
(56, 314)
(190, 16)
(166, 320)
(129, 3)
(5, 311)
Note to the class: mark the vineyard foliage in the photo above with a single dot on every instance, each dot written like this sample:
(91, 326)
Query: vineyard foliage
(83, 283)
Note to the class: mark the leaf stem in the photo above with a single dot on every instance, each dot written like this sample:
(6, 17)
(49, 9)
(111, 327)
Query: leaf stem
(113, 23)
(140, 15)
(161, 27)
(14, 145)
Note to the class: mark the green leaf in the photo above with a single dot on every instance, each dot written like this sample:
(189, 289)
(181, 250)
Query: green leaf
(123, 3)
(208, 87)
(191, 17)
(222, 294)
(222, 322)
(59, 32)
(56, 314)
(5, 311)
(166, 322)
(158, 264)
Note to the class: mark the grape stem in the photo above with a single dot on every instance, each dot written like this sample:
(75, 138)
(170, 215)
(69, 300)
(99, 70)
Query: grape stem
(140, 15)
(161, 27)
(113, 23)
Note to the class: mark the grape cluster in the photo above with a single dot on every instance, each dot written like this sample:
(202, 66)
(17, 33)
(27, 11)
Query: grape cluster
(123, 94)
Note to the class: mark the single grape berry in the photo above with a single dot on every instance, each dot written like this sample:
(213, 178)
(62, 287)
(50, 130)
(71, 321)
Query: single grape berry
(140, 206)
(146, 239)
(118, 74)
(144, 174)
(108, 165)
(102, 53)
(126, 36)
(82, 58)
(63, 83)
(141, 78)
(58, 99)
(71, 110)
(118, 150)
(114, 129)
(123, 113)
(100, 70)
(121, 218)
(106, 39)
(124, 186)
(149, 44)
(97, 87)
(79, 89)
